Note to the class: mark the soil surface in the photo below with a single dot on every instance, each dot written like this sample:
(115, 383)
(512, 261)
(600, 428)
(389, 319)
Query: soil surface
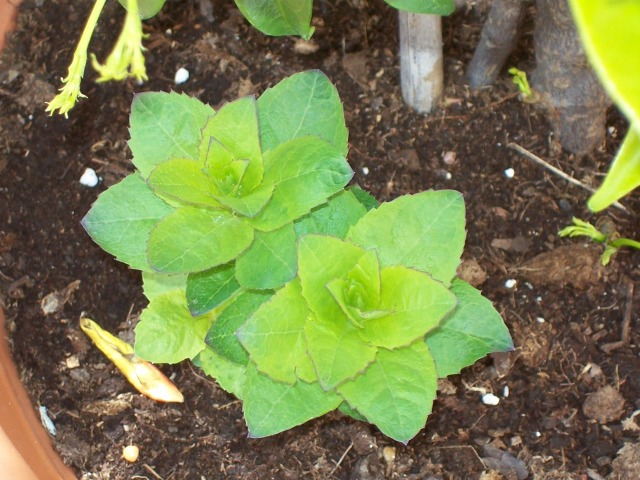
(566, 401)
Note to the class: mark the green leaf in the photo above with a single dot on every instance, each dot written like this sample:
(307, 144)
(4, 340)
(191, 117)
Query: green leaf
(473, 330)
(154, 284)
(432, 7)
(194, 239)
(235, 127)
(222, 335)
(211, 288)
(322, 259)
(611, 39)
(417, 304)
(183, 180)
(121, 220)
(396, 392)
(367, 200)
(271, 407)
(279, 17)
(274, 336)
(251, 204)
(332, 218)
(165, 126)
(425, 231)
(624, 173)
(305, 172)
(270, 262)
(305, 104)
(337, 351)
(167, 333)
(229, 375)
(147, 8)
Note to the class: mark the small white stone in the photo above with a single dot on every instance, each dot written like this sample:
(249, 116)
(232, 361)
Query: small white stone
(89, 178)
(510, 283)
(509, 172)
(505, 391)
(448, 176)
(537, 434)
(131, 453)
(540, 320)
(182, 75)
(490, 399)
(365, 170)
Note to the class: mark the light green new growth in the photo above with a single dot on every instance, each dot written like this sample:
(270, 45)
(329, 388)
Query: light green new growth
(519, 78)
(608, 236)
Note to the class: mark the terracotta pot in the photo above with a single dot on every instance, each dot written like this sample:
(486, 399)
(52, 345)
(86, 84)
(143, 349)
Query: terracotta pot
(25, 449)
(8, 9)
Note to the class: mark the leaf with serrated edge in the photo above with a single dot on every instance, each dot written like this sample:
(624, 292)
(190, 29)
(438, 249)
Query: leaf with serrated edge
(471, 331)
(305, 172)
(229, 375)
(337, 351)
(235, 126)
(305, 104)
(271, 407)
(396, 392)
(274, 336)
(196, 239)
(332, 218)
(167, 333)
(416, 304)
(184, 181)
(424, 231)
(270, 262)
(222, 335)
(121, 220)
(165, 126)
(209, 289)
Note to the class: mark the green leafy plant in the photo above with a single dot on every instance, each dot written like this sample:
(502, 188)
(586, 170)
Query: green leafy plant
(611, 38)
(604, 232)
(300, 296)
(520, 80)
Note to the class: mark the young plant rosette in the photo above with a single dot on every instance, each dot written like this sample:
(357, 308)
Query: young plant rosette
(300, 296)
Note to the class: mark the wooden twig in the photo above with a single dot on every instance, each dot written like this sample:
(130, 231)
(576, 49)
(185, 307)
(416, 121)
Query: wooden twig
(557, 171)
(626, 323)
(341, 459)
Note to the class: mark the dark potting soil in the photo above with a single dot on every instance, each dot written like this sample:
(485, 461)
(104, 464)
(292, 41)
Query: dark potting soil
(570, 399)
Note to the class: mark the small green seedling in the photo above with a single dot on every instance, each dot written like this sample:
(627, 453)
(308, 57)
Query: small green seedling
(604, 233)
(298, 294)
(519, 78)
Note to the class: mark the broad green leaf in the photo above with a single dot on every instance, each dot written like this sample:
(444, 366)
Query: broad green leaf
(367, 200)
(235, 126)
(417, 304)
(274, 336)
(211, 288)
(305, 172)
(147, 8)
(165, 126)
(271, 407)
(304, 104)
(432, 7)
(352, 412)
(195, 239)
(279, 17)
(425, 231)
(251, 204)
(229, 375)
(167, 333)
(222, 335)
(332, 218)
(154, 284)
(121, 220)
(337, 351)
(322, 259)
(396, 392)
(611, 37)
(183, 180)
(624, 173)
(473, 330)
(270, 262)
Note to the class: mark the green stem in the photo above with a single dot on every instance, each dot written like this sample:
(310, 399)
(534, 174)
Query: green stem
(625, 242)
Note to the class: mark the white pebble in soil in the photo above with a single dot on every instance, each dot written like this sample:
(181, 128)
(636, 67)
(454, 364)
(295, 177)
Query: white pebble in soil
(490, 399)
(182, 75)
(89, 178)
(509, 173)
(510, 283)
